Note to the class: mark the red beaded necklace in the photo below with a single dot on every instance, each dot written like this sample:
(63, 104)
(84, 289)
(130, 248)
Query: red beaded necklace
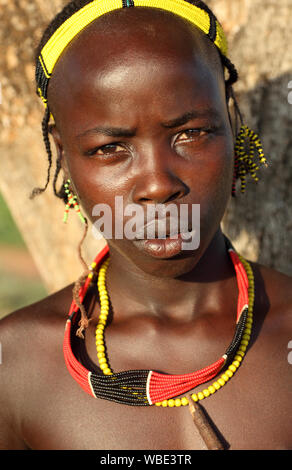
(144, 387)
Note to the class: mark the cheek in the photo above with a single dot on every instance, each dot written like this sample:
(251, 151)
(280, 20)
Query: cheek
(96, 186)
(221, 167)
(212, 169)
(218, 184)
(211, 181)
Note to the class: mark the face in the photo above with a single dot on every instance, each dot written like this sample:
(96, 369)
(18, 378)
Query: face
(141, 113)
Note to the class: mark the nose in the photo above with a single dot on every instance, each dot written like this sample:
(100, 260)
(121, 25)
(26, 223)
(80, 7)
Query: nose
(158, 178)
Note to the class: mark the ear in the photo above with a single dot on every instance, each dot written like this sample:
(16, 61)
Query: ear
(54, 132)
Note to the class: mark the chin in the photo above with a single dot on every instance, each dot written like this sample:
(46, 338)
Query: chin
(161, 266)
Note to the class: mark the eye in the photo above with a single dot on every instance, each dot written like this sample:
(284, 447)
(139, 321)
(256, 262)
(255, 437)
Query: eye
(105, 150)
(191, 135)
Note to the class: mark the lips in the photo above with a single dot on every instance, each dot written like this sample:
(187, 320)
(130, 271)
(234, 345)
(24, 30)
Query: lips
(164, 248)
(160, 229)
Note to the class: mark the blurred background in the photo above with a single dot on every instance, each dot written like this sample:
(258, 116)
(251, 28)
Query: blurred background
(20, 281)
(38, 254)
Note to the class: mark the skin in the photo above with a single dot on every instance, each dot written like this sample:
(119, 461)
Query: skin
(173, 314)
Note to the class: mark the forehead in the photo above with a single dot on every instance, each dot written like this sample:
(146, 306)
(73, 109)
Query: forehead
(134, 38)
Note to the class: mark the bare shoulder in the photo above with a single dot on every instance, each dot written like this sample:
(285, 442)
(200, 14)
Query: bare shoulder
(273, 321)
(31, 344)
(275, 290)
(35, 319)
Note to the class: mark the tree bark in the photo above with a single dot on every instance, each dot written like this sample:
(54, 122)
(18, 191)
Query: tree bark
(23, 161)
(259, 222)
(260, 37)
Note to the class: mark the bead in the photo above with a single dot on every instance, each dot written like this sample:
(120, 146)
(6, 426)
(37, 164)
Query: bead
(212, 389)
(225, 377)
(104, 306)
(99, 331)
(200, 395)
(100, 348)
(101, 287)
(184, 401)
(103, 366)
(240, 354)
(244, 342)
(206, 392)
(246, 337)
(237, 361)
(216, 385)
(102, 360)
(232, 367)
(107, 371)
(164, 403)
(221, 381)
(104, 312)
(229, 373)
(158, 403)
(177, 402)
(194, 397)
(170, 403)
(102, 292)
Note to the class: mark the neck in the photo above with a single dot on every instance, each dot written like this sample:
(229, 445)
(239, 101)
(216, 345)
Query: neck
(206, 287)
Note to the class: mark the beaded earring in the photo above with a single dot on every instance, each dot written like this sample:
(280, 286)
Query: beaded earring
(247, 147)
(71, 203)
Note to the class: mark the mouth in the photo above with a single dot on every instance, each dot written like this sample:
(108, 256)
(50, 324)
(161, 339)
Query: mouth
(161, 229)
(171, 245)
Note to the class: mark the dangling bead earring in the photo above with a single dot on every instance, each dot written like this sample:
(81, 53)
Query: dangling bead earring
(71, 203)
(247, 147)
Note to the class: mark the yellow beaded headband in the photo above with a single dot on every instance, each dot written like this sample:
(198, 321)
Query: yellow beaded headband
(57, 43)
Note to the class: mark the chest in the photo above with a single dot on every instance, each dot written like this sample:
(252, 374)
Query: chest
(252, 411)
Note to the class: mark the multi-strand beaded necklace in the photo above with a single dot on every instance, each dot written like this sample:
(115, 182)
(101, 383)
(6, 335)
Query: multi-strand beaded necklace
(147, 387)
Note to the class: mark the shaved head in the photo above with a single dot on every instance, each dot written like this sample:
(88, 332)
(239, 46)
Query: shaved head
(121, 37)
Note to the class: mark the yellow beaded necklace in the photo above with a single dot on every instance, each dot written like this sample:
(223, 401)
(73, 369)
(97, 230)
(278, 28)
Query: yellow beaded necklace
(225, 376)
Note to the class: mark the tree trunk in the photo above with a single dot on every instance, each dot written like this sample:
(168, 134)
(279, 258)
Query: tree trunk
(258, 222)
(23, 162)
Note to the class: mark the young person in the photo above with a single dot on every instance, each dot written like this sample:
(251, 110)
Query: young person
(138, 106)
